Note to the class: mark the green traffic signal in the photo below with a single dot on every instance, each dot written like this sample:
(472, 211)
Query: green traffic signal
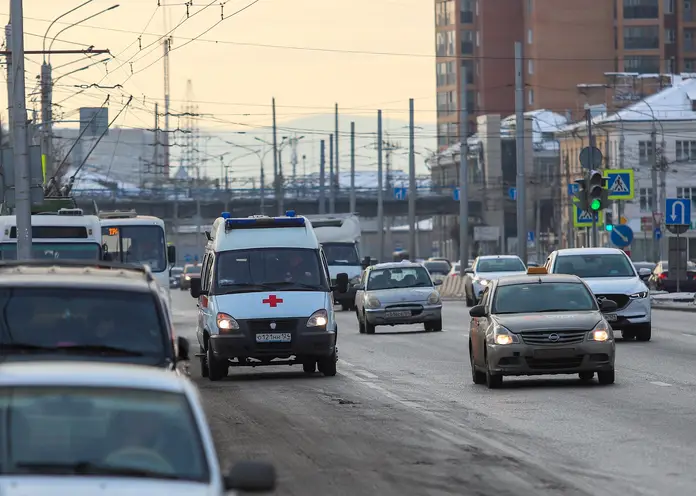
(609, 227)
(596, 204)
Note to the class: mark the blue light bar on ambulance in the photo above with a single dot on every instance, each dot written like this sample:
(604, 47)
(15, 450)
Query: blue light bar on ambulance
(225, 215)
(264, 223)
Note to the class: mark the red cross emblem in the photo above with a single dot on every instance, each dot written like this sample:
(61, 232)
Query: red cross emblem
(273, 301)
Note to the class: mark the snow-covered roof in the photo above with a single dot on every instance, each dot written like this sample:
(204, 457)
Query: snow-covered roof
(674, 103)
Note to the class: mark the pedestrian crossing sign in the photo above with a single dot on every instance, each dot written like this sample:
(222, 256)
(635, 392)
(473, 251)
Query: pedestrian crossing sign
(583, 218)
(620, 184)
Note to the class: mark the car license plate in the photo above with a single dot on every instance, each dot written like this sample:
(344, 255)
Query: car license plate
(611, 317)
(394, 315)
(554, 353)
(275, 337)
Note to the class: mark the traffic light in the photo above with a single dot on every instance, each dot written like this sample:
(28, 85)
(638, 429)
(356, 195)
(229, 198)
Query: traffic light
(582, 194)
(597, 194)
(608, 221)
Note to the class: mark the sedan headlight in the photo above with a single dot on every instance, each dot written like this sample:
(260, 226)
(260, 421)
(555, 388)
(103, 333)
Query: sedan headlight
(641, 294)
(226, 323)
(372, 302)
(188, 278)
(602, 332)
(318, 319)
(434, 298)
(482, 282)
(503, 336)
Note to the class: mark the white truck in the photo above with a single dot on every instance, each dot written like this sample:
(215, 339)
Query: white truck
(339, 235)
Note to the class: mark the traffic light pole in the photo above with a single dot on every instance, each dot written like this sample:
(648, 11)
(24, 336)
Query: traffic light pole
(590, 137)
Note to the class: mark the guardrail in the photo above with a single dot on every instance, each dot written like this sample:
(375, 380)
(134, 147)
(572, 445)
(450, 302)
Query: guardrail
(681, 302)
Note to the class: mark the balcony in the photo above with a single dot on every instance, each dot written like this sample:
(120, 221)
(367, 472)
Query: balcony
(641, 12)
(641, 43)
(466, 17)
(689, 45)
(467, 47)
(688, 15)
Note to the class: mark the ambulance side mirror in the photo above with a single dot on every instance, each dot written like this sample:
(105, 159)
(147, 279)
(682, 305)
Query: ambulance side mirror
(196, 287)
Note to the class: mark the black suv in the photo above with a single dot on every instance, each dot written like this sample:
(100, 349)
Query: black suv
(86, 310)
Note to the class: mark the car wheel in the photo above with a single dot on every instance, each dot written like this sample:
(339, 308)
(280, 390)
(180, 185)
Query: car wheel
(327, 365)
(204, 364)
(361, 326)
(216, 369)
(644, 333)
(477, 376)
(628, 335)
(586, 376)
(345, 307)
(469, 303)
(435, 326)
(309, 366)
(606, 377)
(493, 381)
(369, 328)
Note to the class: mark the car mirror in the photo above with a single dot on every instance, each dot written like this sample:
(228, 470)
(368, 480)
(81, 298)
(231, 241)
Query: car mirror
(644, 272)
(252, 477)
(478, 311)
(469, 271)
(196, 290)
(608, 306)
(171, 254)
(359, 287)
(342, 282)
(437, 282)
(183, 348)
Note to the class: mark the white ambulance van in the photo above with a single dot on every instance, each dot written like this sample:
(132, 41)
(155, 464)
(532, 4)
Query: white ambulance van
(265, 297)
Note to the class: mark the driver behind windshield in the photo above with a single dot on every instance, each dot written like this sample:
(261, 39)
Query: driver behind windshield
(144, 251)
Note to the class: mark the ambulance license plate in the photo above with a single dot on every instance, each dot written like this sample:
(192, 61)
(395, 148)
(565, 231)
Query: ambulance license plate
(396, 315)
(611, 317)
(274, 337)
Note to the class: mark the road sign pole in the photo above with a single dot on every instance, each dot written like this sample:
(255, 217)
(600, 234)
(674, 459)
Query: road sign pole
(594, 232)
(678, 274)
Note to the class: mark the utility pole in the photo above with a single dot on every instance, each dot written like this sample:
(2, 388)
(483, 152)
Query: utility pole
(664, 251)
(519, 142)
(352, 167)
(47, 117)
(569, 226)
(380, 192)
(337, 176)
(167, 46)
(590, 137)
(281, 185)
(19, 135)
(654, 196)
(322, 177)
(10, 77)
(537, 223)
(412, 248)
(332, 185)
(463, 176)
(275, 157)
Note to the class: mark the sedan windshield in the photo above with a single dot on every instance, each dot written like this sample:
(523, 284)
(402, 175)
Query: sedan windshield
(595, 265)
(270, 268)
(397, 278)
(60, 430)
(62, 251)
(500, 265)
(192, 269)
(545, 297)
(437, 267)
(53, 318)
(136, 245)
(341, 253)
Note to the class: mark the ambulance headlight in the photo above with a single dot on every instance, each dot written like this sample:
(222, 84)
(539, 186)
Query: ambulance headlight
(318, 319)
(226, 323)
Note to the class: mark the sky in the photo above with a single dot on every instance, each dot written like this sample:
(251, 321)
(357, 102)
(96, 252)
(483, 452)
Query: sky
(238, 64)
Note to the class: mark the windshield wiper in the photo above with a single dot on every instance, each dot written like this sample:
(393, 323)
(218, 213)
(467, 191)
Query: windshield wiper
(549, 310)
(80, 348)
(89, 468)
(302, 285)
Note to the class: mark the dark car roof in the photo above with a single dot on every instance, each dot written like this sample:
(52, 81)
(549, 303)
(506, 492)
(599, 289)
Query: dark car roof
(540, 278)
(74, 277)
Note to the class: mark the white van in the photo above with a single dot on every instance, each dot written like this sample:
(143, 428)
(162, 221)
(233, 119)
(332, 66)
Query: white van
(265, 296)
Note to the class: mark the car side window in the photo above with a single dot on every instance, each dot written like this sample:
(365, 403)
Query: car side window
(484, 297)
(205, 272)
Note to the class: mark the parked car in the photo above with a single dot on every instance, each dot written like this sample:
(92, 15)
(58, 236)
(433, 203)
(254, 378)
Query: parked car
(175, 277)
(660, 279)
(644, 270)
(438, 269)
(190, 270)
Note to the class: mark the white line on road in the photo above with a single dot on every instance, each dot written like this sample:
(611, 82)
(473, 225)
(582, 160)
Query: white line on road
(366, 374)
(688, 335)
(659, 383)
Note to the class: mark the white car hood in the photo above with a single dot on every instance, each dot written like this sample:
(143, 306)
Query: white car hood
(615, 285)
(99, 486)
(295, 304)
(491, 276)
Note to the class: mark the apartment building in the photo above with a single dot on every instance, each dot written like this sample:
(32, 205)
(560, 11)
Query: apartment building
(565, 42)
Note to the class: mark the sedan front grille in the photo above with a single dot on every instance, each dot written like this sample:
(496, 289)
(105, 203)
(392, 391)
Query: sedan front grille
(542, 337)
(620, 299)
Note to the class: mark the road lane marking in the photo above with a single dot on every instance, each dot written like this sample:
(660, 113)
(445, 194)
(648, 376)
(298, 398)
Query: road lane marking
(366, 374)
(659, 383)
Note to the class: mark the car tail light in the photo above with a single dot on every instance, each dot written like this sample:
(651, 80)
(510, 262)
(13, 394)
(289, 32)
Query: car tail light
(663, 275)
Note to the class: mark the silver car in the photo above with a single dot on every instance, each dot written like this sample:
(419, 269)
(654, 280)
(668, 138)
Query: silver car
(398, 293)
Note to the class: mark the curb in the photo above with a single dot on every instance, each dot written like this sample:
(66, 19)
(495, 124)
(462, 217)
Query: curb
(675, 308)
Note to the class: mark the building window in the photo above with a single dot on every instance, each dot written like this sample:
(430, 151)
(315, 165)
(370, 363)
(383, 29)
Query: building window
(530, 66)
(670, 35)
(688, 193)
(446, 102)
(529, 36)
(444, 13)
(446, 73)
(641, 9)
(530, 6)
(641, 37)
(645, 199)
(689, 65)
(687, 13)
(645, 152)
(445, 43)
(469, 64)
(478, 39)
(686, 151)
(642, 64)
(669, 6)
(466, 14)
(690, 40)
(467, 42)
(531, 96)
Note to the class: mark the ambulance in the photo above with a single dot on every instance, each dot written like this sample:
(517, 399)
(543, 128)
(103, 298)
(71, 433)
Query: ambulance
(265, 297)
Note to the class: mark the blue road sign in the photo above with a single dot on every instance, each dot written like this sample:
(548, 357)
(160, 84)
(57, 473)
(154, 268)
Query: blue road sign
(620, 184)
(187, 258)
(195, 258)
(678, 212)
(530, 237)
(400, 193)
(583, 218)
(657, 233)
(573, 188)
(622, 235)
(512, 193)
(456, 194)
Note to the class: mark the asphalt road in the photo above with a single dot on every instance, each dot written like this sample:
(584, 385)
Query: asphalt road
(402, 417)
